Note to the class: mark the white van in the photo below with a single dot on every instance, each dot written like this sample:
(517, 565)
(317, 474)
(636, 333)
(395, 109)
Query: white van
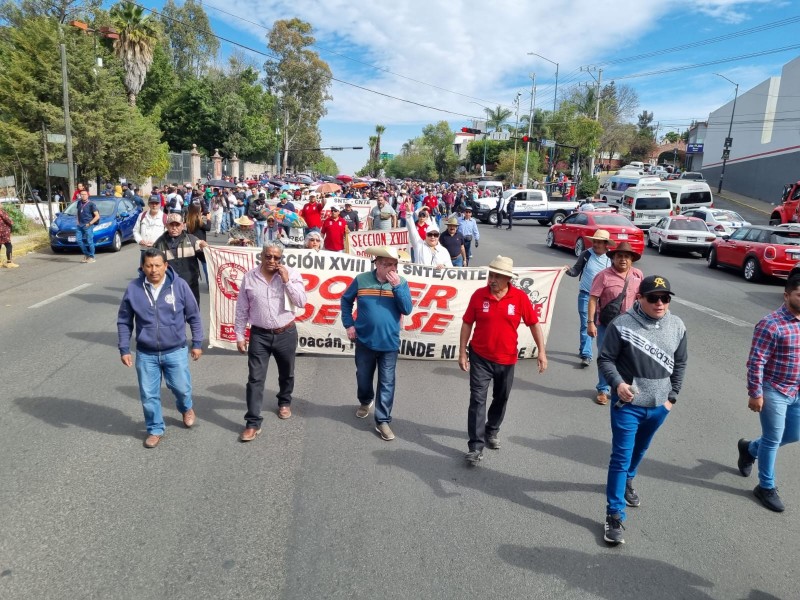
(637, 164)
(644, 207)
(494, 186)
(687, 194)
(616, 186)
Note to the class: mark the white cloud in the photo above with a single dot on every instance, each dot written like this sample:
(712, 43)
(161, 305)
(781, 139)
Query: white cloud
(727, 11)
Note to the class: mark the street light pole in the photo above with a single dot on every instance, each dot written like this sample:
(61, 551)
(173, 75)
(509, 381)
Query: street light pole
(726, 147)
(516, 129)
(485, 137)
(555, 104)
(530, 127)
(67, 122)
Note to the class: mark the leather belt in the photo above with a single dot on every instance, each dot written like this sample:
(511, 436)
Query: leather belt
(276, 330)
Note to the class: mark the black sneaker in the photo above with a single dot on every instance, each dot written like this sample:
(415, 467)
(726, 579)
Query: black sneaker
(492, 442)
(586, 361)
(769, 498)
(631, 496)
(746, 460)
(612, 531)
(473, 457)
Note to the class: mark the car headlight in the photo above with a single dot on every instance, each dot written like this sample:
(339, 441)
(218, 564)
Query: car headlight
(103, 226)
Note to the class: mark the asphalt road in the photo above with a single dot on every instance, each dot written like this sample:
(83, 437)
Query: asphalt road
(320, 507)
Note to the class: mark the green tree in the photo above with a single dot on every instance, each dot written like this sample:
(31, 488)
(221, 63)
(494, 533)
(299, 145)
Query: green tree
(60, 10)
(298, 77)
(190, 39)
(138, 37)
(417, 164)
(160, 85)
(110, 138)
(497, 117)
(672, 137)
(645, 123)
(325, 166)
(379, 131)
(439, 140)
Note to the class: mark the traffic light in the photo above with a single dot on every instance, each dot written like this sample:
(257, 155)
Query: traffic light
(470, 130)
(525, 139)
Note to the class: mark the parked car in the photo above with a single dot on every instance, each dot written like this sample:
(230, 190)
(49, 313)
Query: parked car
(689, 234)
(692, 175)
(718, 220)
(758, 251)
(574, 231)
(117, 219)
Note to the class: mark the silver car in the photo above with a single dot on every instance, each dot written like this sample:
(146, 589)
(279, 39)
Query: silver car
(688, 234)
(718, 220)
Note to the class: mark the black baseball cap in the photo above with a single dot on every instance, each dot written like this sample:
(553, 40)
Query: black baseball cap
(654, 284)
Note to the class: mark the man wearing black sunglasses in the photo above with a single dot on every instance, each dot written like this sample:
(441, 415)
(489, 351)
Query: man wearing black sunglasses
(644, 360)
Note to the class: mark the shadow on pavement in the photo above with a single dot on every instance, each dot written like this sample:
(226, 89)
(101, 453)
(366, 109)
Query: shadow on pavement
(106, 338)
(65, 412)
(609, 575)
(594, 453)
(434, 470)
(99, 298)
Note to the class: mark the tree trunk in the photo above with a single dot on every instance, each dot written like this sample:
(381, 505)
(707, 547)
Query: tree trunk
(131, 98)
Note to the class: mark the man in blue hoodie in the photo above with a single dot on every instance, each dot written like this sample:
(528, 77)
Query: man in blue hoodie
(160, 304)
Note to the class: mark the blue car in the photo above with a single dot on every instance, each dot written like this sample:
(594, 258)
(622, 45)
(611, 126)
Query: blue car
(117, 219)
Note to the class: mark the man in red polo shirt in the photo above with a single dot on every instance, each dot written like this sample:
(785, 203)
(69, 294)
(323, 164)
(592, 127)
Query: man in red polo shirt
(496, 311)
(334, 230)
(312, 214)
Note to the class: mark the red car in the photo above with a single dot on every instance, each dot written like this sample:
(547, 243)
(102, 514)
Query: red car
(758, 250)
(574, 231)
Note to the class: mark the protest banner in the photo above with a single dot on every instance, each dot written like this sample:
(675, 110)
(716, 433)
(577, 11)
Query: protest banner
(359, 241)
(430, 332)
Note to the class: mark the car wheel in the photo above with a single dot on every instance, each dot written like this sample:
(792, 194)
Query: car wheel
(661, 248)
(752, 272)
(492, 218)
(558, 218)
(579, 247)
(56, 250)
(550, 240)
(116, 243)
(775, 220)
(712, 259)
(649, 240)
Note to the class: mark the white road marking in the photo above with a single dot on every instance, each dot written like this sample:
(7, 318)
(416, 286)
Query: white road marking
(61, 295)
(713, 313)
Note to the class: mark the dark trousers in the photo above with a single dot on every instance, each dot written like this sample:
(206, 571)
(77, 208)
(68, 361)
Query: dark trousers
(481, 373)
(510, 217)
(262, 346)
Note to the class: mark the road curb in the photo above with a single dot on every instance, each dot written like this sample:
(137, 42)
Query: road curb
(745, 204)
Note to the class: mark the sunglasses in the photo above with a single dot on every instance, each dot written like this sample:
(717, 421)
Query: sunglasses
(655, 298)
(434, 233)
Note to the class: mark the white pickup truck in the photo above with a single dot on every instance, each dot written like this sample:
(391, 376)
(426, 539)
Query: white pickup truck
(533, 204)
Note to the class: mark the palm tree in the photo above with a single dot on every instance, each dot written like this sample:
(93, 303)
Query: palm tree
(371, 165)
(407, 147)
(379, 129)
(497, 117)
(138, 37)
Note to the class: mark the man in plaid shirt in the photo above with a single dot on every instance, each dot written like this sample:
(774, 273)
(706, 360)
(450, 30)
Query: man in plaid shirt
(773, 383)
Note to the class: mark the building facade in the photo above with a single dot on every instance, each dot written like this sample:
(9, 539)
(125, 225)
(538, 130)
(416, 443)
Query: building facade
(765, 149)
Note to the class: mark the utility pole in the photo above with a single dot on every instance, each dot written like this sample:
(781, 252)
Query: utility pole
(598, 81)
(67, 122)
(516, 128)
(47, 170)
(530, 126)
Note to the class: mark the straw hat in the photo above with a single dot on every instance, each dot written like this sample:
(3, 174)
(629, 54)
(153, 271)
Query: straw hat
(244, 221)
(388, 252)
(601, 235)
(502, 265)
(452, 221)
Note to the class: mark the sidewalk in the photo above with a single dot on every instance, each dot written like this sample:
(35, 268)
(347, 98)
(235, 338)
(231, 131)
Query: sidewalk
(30, 242)
(752, 203)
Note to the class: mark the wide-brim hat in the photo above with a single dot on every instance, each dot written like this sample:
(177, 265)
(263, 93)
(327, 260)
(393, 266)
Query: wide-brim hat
(388, 252)
(625, 247)
(502, 265)
(244, 220)
(601, 235)
(451, 221)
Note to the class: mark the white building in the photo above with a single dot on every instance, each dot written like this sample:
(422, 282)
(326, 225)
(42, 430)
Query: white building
(765, 153)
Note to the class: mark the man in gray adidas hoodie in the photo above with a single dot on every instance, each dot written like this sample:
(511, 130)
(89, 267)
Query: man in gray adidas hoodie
(644, 360)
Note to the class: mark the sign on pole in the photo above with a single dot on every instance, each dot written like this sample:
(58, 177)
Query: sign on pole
(548, 143)
(59, 169)
(500, 136)
(56, 138)
(694, 148)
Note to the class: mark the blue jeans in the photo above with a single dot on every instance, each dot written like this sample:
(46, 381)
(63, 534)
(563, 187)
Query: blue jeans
(458, 262)
(85, 238)
(780, 425)
(226, 221)
(632, 430)
(260, 233)
(602, 384)
(584, 341)
(175, 368)
(366, 362)
(468, 249)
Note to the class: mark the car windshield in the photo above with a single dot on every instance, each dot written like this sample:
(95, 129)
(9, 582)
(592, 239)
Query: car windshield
(698, 176)
(786, 238)
(612, 220)
(104, 207)
(688, 225)
(696, 198)
(727, 215)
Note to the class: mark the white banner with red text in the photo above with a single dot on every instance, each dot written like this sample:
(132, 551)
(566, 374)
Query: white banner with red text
(430, 332)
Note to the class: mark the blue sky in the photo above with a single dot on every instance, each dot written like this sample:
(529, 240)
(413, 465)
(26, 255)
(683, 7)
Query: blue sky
(455, 55)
